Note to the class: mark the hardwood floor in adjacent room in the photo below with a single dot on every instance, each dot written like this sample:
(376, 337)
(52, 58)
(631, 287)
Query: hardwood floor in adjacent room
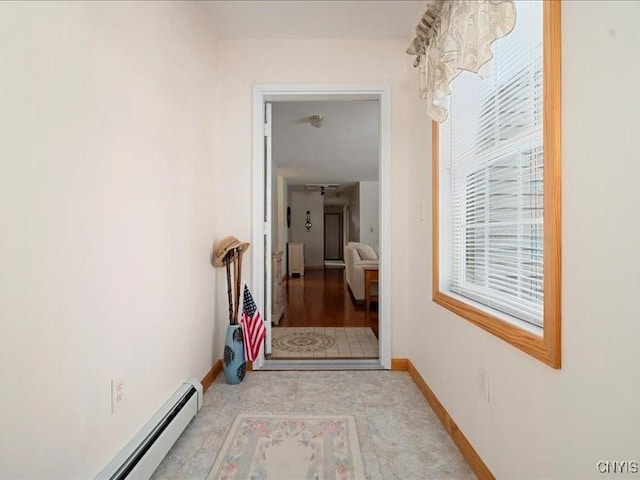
(320, 299)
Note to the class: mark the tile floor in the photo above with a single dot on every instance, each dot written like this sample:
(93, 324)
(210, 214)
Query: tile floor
(400, 436)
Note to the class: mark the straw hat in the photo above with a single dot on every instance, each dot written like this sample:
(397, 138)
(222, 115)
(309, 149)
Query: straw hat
(223, 247)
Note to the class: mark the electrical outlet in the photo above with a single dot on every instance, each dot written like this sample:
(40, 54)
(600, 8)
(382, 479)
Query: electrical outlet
(483, 383)
(118, 394)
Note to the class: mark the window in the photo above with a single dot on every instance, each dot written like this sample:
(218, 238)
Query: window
(496, 174)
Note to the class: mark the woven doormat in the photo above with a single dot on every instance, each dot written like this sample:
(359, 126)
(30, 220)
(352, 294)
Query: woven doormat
(321, 342)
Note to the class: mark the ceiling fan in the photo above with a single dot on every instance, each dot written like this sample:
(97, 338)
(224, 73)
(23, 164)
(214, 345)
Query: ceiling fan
(323, 187)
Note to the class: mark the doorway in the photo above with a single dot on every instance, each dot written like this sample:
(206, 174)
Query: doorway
(263, 217)
(333, 238)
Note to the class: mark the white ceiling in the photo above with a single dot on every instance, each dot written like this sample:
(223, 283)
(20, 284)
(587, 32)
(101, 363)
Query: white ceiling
(348, 19)
(344, 149)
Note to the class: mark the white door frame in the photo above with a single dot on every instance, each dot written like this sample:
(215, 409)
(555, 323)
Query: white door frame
(316, 92)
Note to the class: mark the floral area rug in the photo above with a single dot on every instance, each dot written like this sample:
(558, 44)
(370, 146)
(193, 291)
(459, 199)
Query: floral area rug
(321, 342)
(290, 447)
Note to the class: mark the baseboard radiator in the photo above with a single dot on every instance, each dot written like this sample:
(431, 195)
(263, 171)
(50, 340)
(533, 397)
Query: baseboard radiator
(142, 455)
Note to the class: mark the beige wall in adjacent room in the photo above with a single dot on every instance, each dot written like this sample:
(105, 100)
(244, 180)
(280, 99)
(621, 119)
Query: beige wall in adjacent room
(301, 203)
(354, 216)
(107, 161)
(370, 213)
(249, 62)
(543, 423)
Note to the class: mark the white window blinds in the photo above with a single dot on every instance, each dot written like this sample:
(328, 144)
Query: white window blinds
(491, 178)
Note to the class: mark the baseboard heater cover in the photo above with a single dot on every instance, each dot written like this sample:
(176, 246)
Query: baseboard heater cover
(142, 455)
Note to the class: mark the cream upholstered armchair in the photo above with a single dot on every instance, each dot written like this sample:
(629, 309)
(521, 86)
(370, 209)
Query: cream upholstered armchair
(356, 256)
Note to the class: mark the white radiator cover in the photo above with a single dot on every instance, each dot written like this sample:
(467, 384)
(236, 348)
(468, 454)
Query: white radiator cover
(142, 455)
(296, 259)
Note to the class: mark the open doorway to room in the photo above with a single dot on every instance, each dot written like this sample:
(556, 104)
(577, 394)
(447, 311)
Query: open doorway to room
(333, 237)
(325, 157)
(324, 232)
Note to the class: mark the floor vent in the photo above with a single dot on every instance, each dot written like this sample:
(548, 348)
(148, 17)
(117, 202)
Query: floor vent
(142, 455)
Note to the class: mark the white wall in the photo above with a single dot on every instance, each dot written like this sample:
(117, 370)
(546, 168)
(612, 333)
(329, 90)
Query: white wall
(247, 62)
(274, 209)
(107, 153)
(364, 202)
(286, 198)
(370, 213)
(281, 220)
(543, 423)
(301, 203)
(354, 217)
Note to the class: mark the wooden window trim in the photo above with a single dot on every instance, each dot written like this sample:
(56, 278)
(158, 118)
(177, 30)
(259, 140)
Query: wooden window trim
(546, 348)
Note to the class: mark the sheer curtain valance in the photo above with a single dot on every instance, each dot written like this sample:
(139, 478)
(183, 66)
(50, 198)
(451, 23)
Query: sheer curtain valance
(456, 35)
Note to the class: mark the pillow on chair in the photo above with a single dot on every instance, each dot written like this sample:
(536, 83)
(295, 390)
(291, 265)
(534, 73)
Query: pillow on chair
(366, 252)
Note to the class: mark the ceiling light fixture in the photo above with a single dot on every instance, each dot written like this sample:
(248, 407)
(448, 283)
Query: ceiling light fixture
(316, 120)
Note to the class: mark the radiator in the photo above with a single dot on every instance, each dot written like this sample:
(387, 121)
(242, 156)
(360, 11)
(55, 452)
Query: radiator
(142, 455)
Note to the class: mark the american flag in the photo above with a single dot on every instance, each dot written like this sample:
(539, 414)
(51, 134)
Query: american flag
(252, 326)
